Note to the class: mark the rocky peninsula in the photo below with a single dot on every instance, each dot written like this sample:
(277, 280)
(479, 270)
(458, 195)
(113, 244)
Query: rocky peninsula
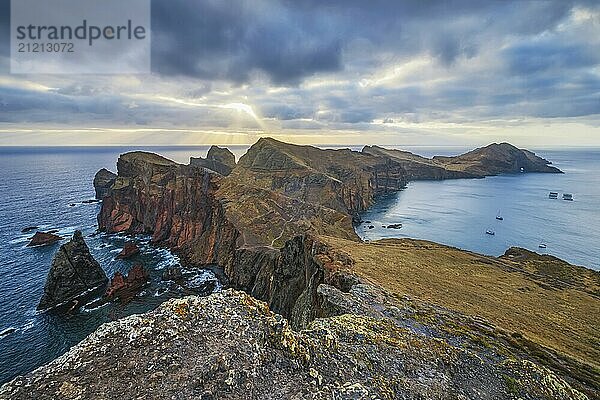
(322, 314)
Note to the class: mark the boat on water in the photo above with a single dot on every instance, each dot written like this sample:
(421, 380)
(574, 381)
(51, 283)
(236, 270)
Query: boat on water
(567, 196)
(499, 217)
(542, 245)
(553, 195)
(490, 232)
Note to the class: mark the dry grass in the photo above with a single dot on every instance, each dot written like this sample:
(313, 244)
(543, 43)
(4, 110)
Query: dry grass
(565, 318)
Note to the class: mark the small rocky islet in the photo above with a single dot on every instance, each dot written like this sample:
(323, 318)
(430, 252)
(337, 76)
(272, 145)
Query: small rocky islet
(43, 239)
(74, 271)
(313, 312)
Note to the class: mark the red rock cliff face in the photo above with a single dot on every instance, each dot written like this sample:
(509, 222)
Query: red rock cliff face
(175, 203)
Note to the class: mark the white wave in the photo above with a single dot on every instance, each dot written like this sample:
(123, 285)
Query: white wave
(85, 309)
(28, 325)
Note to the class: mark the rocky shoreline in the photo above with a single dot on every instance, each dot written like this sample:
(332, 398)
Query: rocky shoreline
(280, 224)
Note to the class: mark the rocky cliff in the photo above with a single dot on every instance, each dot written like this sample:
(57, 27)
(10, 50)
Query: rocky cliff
(176, 203)
(73, 272)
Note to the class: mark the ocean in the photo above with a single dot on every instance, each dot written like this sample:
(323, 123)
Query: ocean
(45, 187)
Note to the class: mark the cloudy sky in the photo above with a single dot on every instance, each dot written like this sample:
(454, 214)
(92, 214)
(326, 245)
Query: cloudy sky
(330, 72)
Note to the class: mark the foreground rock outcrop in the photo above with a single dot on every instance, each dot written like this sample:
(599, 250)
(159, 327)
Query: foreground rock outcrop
(74, 271)
(230, 346)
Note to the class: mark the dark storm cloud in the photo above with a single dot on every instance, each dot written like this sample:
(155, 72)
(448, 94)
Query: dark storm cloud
(232, 39)
(291, 40)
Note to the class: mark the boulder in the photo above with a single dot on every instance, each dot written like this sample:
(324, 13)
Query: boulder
(73, 272)
(130, 249)
(43, 239)
(103, 181)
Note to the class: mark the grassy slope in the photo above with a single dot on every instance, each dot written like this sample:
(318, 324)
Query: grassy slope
(562, 317)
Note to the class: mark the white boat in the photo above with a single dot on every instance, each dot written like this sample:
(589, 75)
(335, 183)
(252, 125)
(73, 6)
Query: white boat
(490, 232)
(553, 195)
(542, 245)
(567, 196)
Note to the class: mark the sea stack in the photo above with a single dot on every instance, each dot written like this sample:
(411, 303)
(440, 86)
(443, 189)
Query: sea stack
(125, 287)
(103, 180)
(73, 272)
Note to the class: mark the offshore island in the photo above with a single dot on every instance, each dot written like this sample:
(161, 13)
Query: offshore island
(310, 310)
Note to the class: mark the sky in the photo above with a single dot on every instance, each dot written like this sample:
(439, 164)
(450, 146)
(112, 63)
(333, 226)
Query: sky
(350, 72)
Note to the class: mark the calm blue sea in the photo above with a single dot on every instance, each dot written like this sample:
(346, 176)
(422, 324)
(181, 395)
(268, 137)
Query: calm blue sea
(38, 185)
